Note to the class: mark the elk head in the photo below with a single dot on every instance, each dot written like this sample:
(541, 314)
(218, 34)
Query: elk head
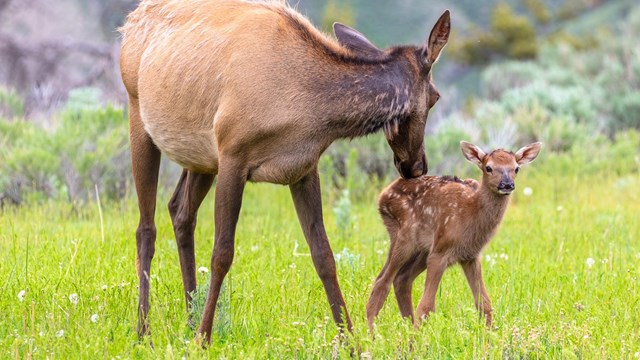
(405, 135)
(500, 167)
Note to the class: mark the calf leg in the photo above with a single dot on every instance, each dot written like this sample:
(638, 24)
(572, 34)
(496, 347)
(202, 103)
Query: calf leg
(308, 203)
(396, 260)
(403, 284)
(436, 266)
(145, 160)
(473, 272)
(183, 207)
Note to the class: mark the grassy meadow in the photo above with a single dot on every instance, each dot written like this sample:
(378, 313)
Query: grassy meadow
(562, 273)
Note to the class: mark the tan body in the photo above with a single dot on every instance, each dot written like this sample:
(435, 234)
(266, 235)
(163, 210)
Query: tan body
(251, 91)
(207, 111)
(435, 222)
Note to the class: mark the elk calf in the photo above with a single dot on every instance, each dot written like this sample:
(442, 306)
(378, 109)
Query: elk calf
(437, 221)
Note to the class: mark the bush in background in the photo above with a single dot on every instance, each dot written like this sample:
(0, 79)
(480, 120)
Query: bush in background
(86, 147)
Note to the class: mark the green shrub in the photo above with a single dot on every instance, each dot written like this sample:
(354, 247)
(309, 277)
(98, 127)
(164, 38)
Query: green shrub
(92, 147)
(85, 148)
(11, 104)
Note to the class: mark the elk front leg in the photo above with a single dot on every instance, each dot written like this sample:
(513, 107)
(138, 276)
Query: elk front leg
(308, 204)
(183, 207)
(145, 160)
(436, 266)
(229, 188)
(473, 272)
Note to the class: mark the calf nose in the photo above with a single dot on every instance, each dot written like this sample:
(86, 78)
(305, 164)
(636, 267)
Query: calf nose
(506, 186)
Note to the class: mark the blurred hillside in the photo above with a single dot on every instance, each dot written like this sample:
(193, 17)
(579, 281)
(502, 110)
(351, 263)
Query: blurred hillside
(565, 72)
(49, 48)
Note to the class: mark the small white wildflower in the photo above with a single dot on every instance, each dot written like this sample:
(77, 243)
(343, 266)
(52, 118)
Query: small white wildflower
(203, 270)
(60, 333)
(590, 262)
(21, 295)
(527, 191)
(292, 266)
(41, 333)
(298, 323)
(380, 252)
(94, 318)
(604, 261)
(637, 354)
(586, 336)
(559, 208)
(104, 287)
(73, 298)
(487, 258)
(255, 248)
(504, 256)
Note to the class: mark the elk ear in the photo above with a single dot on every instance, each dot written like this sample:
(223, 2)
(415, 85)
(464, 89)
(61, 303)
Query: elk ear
(437, 39)
(355, 41)
(528, 153)
(472, 153)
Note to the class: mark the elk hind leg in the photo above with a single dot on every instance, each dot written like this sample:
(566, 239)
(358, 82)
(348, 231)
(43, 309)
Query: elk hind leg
(183, 207)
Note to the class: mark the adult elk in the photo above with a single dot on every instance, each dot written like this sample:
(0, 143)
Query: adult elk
(436, 221)
(250, 91)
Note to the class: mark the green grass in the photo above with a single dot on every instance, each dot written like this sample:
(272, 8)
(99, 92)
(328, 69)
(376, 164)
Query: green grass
(548, 303)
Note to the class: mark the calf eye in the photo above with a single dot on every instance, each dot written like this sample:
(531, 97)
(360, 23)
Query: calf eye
(489, 169)
(517, 169)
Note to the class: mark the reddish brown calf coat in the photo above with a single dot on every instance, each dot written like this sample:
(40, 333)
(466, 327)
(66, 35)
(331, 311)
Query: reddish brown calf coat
(434, 222)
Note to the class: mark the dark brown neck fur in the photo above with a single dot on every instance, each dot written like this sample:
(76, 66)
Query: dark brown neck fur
(367, 97)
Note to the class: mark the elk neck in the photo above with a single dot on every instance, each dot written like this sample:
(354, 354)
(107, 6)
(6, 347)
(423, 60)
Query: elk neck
(364, 97)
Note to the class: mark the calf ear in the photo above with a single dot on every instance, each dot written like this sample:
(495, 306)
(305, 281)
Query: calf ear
(437, 39)
(355, 41)
(528, 153)
(472, 153)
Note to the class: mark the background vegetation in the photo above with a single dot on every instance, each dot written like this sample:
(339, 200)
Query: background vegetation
(562, 271)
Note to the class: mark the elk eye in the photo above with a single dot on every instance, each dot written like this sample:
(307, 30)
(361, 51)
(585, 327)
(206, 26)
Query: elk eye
(489, 169)
(517, 169)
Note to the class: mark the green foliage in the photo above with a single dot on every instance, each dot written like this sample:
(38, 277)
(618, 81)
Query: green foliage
(86, 147)
(516, 36)
(539, 10)
(342, 211)
(222, 320)
(511, 36)
(626, 110)
(359, 162)
(11, 104)
(92, 146)
(570, 256)
(335, 11)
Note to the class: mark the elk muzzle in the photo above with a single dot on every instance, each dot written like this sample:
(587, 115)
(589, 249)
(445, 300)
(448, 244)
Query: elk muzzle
(412, 168)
